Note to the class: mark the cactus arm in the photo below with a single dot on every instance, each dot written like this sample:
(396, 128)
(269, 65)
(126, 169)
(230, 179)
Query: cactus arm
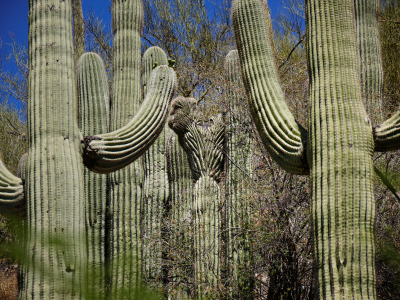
(387, 134)
(112, 151)
(283, 137)
(12, 200)
(152, 57)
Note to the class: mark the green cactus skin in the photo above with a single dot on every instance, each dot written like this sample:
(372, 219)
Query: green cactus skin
(178, 226)
(369, 49)
(205, 150)
(94, 115)
(284, 138)
(54, 182)
(239, 169)
(155, 187)
(340, 142)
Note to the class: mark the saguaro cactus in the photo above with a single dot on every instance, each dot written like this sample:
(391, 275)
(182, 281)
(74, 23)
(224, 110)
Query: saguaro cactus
(94, 115)
(337, 152)
(239, 169)
(54, 192)
(204, 147)
(155, 187)
(177, 227)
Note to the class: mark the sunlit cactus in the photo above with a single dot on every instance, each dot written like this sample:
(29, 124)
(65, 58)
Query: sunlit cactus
(94, 116)
(239, 170)
(338, 147)
(55, 265)
(155, 186)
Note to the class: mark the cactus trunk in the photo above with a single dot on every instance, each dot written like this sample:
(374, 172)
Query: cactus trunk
(94, 107)
(55, 222)
(155, 187)
(340, 142)
(239, 169)
(343, 208)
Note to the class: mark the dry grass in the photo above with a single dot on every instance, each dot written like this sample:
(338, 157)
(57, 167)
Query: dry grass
(8, 280)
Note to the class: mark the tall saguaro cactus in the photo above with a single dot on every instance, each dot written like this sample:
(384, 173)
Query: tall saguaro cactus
(94, 115)
(239, 169)
(337, 151)
(54, 267)
(155, 186)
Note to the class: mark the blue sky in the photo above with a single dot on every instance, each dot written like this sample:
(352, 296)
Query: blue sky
(14, 16)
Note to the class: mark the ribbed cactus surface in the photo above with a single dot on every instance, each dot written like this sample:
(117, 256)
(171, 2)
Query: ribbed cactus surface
(340, 142)
(54, 266)
(94, 115)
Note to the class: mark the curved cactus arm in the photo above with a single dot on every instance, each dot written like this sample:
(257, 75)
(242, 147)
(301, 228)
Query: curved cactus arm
(12, 200)
(112, 151)
(387, 134)
(283, 137)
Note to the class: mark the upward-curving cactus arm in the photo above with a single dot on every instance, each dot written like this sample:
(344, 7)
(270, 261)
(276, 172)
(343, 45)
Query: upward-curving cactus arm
(112, 151)
(12, 200)
(387, 134)
(283, 137)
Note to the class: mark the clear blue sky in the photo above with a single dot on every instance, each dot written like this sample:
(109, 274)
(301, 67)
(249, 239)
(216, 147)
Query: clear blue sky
(14, 16)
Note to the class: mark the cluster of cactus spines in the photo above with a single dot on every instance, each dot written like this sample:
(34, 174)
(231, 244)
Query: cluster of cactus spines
(56, 264)
(204, 146)
(155, 187)
(369, 49)
(340, 140)
(178, 222)
(94, 115)
(239, 168)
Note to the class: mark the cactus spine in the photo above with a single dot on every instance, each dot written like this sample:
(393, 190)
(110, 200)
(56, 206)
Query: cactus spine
(340, 142)
(54, 266)
(94, 107)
